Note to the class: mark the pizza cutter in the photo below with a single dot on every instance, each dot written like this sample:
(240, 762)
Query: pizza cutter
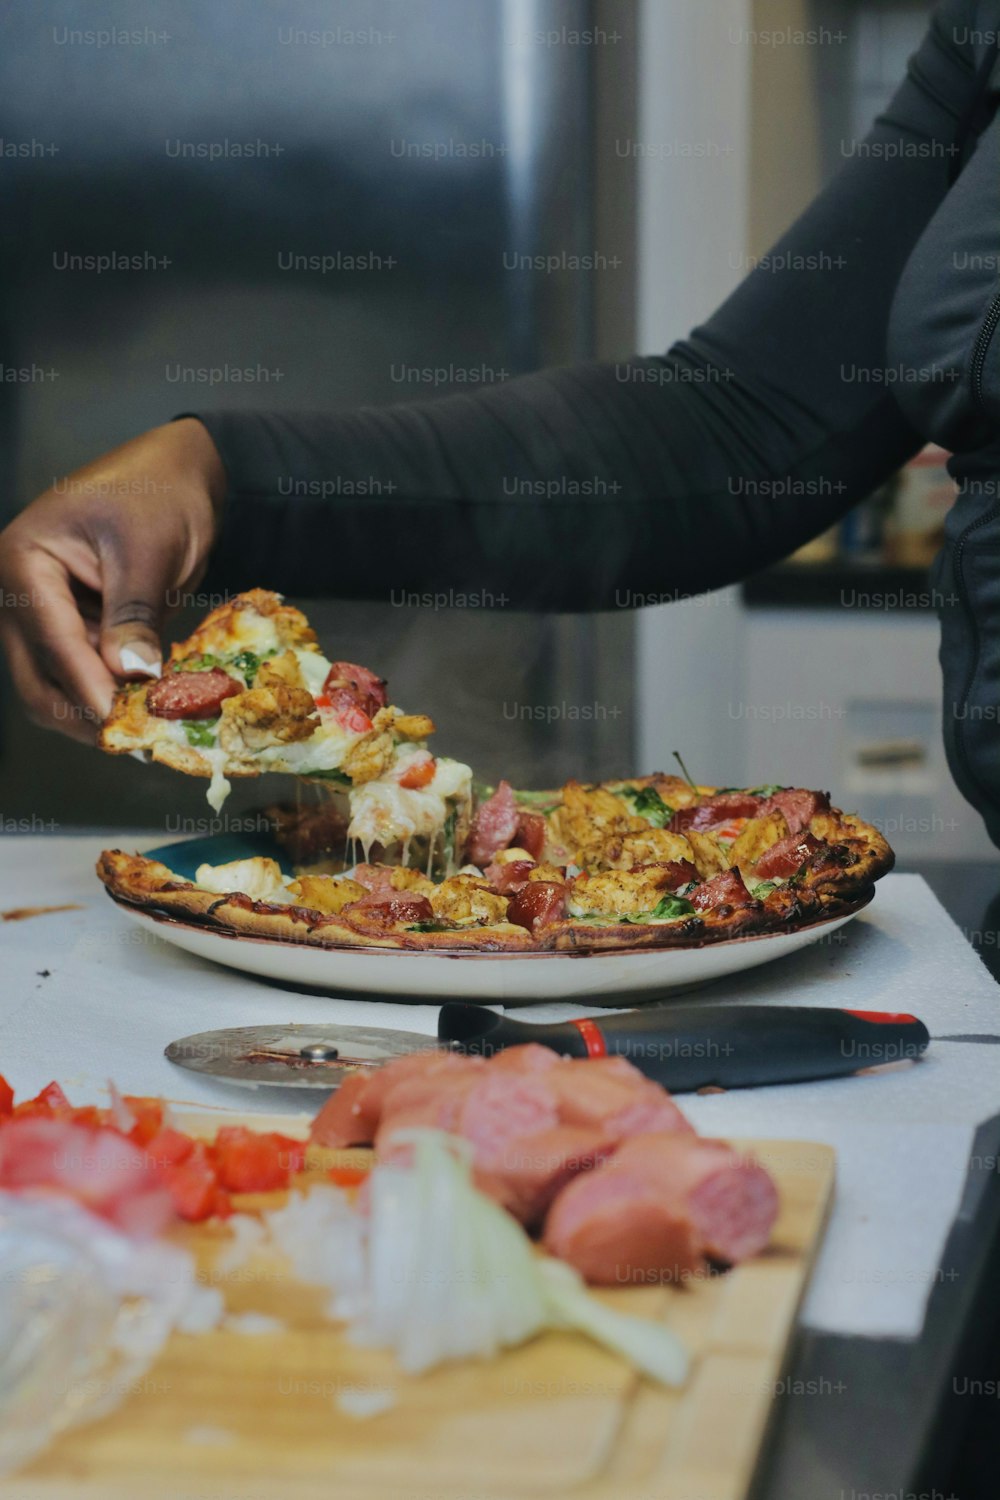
(682, 1047)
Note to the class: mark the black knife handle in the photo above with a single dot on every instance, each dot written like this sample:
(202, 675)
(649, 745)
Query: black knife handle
(686, 1047)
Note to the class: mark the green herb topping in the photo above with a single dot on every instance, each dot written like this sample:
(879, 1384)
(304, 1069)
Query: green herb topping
(648, 804)
(669, 909)
(247, 663)
(204, 663)
(200, 732)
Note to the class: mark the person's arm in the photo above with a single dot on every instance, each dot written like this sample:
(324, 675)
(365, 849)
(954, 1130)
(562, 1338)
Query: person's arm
(569, 489)
(582, 487)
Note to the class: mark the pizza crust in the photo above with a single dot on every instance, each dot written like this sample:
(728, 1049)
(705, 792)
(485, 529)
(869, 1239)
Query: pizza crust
(838, 881)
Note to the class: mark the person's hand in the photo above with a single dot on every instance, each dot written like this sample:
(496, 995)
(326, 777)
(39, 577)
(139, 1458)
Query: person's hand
(90, 568)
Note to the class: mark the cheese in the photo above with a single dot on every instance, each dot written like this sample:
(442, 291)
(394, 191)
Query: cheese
(383, 812)
(257, 877)
(314, 668)
(256, 633)
(325, 750)
(219, 787)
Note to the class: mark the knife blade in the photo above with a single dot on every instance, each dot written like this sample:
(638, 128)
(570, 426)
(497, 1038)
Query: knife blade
(294, 1055)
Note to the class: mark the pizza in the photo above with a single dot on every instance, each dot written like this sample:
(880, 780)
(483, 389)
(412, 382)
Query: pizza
(647, 862)
(250, 692)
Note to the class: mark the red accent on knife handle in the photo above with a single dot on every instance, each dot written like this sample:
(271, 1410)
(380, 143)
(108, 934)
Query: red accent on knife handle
(883, 1017)
(593, 1037)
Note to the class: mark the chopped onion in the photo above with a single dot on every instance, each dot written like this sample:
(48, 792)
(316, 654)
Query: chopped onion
(120, 1113)
(361, 1404)
(435, 1270)
(254, 1322)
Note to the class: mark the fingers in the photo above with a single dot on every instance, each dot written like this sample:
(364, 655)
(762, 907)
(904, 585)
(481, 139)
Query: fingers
(49, 641)
(47, 705)
(134, 594)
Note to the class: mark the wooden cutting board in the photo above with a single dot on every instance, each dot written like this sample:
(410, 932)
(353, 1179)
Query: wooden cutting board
(240, 1416)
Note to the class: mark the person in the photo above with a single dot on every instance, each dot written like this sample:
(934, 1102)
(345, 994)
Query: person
(566, 488)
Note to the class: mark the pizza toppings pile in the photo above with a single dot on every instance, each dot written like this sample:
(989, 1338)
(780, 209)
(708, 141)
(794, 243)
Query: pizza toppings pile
(655, 861)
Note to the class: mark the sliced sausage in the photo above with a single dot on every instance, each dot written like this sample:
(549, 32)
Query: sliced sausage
(726, 889)
(392, 1075)
(787, 856)
(797, 807)
(534, 1169)
(731, 1198)
(351, 1116)
(537, 904)
(493, 826)
(615, 1228)
(507, 878)
(373, 877)
(609, 1094)
(367, 690)
(527, 1057)
(715, 810)
(500, 1107)
(676, 872)
(191, 695)
(387, 908)
(343, 1120)
(530, 834)
(658, 1207)
(431, 1102)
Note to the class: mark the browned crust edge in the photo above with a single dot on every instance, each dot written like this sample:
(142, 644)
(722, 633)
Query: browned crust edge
(138, 882)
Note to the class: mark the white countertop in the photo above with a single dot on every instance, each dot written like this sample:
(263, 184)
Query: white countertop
(86, 995)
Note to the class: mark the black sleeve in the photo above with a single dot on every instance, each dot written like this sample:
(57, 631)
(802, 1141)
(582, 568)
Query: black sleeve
(599, 484)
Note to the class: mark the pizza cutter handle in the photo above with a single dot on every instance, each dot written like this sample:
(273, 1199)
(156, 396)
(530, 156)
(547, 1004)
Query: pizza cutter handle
(686, 1047)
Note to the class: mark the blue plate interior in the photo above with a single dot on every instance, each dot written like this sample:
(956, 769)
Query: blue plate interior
(186, 855)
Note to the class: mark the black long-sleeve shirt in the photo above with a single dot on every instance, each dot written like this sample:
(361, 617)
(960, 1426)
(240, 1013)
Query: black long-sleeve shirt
(580, 487)
(561, 489)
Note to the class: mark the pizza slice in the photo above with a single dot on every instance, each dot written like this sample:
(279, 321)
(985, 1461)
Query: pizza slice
(250, 691)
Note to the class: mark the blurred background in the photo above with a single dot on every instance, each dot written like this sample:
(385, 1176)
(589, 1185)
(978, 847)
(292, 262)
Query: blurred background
(228, 150)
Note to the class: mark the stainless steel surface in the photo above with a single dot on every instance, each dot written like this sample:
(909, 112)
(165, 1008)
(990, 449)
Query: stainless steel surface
(294, 1055)
(350, 122)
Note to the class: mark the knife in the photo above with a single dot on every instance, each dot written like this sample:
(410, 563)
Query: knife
(682, 1047)
(687, 1047)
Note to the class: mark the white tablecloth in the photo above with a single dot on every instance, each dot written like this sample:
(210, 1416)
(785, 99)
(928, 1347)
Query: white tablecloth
(85, 995)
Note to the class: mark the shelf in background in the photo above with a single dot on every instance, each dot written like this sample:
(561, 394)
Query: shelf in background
(841, 585)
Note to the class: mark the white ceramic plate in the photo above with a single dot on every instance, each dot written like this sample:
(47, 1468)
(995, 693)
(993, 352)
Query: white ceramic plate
(507, 977)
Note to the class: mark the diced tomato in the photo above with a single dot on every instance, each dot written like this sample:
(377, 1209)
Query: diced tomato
(345, 708)
(194, 1185)
(293, 1150)
(102, 1170)
(88, 1115)
(419, 773)
(50, 1101)
(222, 1207)
(53, 1096)
(6, 1097)
(167, 1147)
(348, 1177)
(249, 1161)
(148, 1117)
